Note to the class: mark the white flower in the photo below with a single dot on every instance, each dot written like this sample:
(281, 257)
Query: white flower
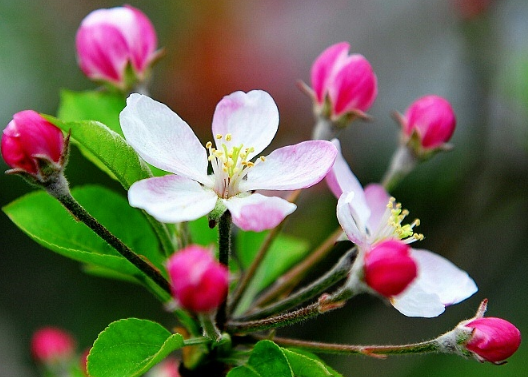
(370, 216)
(243, 125)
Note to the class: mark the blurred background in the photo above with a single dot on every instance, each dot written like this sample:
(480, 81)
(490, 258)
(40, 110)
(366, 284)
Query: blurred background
(472, 202)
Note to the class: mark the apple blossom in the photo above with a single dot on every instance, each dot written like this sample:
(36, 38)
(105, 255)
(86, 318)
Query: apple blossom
(345, 83)
(198, 281)
(370, 216)
(492, 339)
(51, 344)
(29, 141)
(110, 41)
(243, 124)
(431, 120)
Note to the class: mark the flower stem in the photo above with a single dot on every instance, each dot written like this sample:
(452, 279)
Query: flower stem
(403, 162)
(325, 303)
(338, 272)
(224, 238)
(429, 346)
(293, 276)
(59, 189)
(224, 251)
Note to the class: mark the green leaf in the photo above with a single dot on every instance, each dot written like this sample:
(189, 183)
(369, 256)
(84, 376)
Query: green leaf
(312, 358)
(44, 219)
(305, 366)
(101, 106)
(284, 253)
(106, 149)
(130, 347)
(267, 360)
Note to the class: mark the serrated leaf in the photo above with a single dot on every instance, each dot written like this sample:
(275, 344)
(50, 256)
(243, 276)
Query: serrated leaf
(44, 220)
(130, 347)
(266, 360)
(107, 149)
(305, 366)
(98, 105)
(285, 252)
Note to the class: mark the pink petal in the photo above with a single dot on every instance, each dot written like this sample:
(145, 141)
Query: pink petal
(172, 199)
(102, 52)
(251, 118)
(377, 199)
(141, 38)
(258, 212)
(323, 67)
(340, 178)
(293, 167)
(163, 139)
(354, 87)
(439, 284)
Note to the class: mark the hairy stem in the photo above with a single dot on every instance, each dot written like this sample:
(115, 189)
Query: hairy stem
(295, 275)
(338, 272)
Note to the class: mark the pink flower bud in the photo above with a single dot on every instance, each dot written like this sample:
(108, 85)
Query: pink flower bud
(167, 368)
(389, 268)
(110, 40)
(346, 81)
(199, 282)
(28, 138)
(493, 339)
(51, 344)
(431, 119)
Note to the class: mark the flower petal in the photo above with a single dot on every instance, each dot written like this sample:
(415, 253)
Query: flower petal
(439, 283)
(323, 68)
(172, 199)
(340, 178)
(354, 87)
(353, 214)
(258, 212)
(293, 167)
(377, 199)
(163, 139)
(252, 119)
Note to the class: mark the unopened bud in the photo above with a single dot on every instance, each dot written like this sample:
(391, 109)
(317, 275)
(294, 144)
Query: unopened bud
(199, 281)
(389, 268)
(50, 345)
(32, 145)
(117, 46)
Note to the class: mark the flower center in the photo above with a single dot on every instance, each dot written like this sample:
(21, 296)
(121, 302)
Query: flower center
(392, 224)
(230, 166)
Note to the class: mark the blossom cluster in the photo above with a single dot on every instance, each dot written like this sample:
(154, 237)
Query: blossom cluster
(224, 180)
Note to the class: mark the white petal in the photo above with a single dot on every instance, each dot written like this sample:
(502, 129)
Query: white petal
(415, 302)
(340, 178)
(251, 118)
(377, 199)
(172, 199)
(352, 215)
(438, 275)
(258, 212)
(162, 138)
(439, 284)
(293, 167)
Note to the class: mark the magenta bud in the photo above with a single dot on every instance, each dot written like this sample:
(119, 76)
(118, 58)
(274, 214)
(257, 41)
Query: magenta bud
(431, 120)
(51, 344)
(493, 339)
(29, 139)
(344, 83)
(389, 268)
(199, 281)
(109, 41)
